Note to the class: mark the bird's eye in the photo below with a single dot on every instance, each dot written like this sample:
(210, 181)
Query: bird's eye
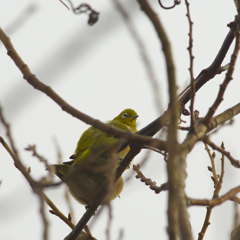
(124, 115)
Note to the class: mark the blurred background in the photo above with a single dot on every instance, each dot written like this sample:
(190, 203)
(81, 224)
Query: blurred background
(99, 70)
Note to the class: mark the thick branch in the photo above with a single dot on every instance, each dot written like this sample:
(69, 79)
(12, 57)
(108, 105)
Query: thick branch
(223, 117)
(33, 80)
(173, 221)
(205, 75)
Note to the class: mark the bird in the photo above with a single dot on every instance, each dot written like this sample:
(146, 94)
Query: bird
(95, 160)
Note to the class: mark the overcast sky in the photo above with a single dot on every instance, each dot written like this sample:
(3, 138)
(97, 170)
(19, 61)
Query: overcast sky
(99, 71)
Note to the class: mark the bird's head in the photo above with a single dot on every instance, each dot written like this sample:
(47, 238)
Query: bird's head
(127, 116)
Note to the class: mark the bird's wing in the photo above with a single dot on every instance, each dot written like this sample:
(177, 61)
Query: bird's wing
(94, 146)
(86, 141)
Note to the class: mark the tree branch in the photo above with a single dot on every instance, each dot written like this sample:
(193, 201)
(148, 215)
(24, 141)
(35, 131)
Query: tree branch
(192, 84)
(213, 202)
(217, 186)
(173, 206)
(210, 72)
(234, 162)
(148, 181)
(228, 77)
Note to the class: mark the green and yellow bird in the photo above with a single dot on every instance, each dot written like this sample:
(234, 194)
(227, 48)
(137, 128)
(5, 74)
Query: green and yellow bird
(95, 161)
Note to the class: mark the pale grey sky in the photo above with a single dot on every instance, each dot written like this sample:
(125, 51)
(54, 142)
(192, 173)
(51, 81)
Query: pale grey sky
(99, 71)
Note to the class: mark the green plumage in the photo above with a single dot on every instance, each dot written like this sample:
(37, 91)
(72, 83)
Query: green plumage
(95, 161)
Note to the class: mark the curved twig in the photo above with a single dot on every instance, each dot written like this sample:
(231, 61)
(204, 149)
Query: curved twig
(176, 2)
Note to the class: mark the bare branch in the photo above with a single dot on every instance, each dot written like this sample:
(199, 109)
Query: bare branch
(109, 221)
(36, 186)
(212, 158)
(148, 181)
(223, 117)
(173, 205)
(32, 148)
(57, 212)
(209, 73)
(228, 77)
(234, 162)
(64, 4)
(217, 186)
(192, 84)
(32, 80)
(235, 199)
(214, 202)
(8, 132)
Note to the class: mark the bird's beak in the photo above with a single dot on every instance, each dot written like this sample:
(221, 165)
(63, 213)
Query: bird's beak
(136, 116)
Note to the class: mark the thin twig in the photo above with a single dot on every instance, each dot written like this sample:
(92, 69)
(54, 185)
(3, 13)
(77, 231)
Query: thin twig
(18, 163)
(36, 186)
(216, 201)
(236, 215)
(50, 169)
(184, 128)
(64, 4)
(44, 218)
(212, 158)
(217, 185)
(228, 77)
(192, 84)
(57, 212)
(121, 233)
(148, 181)
(234, 162)
(8, 132)
(109, 221)
(188, 87)
(209, 73)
